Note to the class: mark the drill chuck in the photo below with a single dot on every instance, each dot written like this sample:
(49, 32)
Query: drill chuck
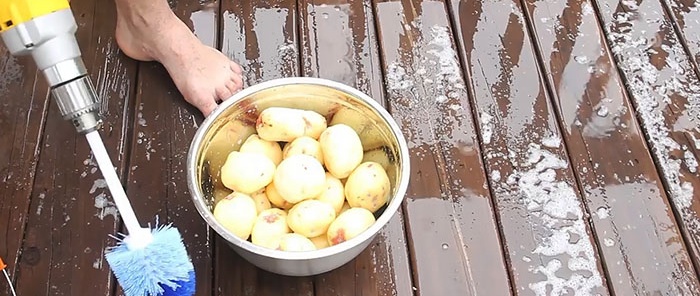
(50, 39)
(78, 103)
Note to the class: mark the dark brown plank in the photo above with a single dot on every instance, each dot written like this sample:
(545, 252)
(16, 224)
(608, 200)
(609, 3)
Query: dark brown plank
(452, 231)
(22, 116)
(666, 93)
(641, 242)
(686, 14)
(163, 130)
(71, 216)
(339, 42)
(265, 52)
(545, 224)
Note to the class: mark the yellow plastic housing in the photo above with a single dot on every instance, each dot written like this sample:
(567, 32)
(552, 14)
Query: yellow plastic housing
(14, 12)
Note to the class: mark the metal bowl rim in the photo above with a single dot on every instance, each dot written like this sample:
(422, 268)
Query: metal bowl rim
(198, 197)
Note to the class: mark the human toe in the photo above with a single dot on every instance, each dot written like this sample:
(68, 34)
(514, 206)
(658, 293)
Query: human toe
(236, 68)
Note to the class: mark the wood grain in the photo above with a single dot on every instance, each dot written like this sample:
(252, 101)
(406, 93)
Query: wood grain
(666, 94)
(640, 241)
(339, 43)
(164, 126)
(544, 220)
(686, 14)
(71, 214)
(452, 232)
(23, 105)
(264, 52)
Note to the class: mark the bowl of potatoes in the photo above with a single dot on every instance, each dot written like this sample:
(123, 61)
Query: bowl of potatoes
(298, 175)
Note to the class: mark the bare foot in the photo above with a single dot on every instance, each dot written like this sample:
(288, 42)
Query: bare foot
(150, 31)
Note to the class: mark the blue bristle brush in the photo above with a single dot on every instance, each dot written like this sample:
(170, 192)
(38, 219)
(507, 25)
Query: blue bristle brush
(146, 262)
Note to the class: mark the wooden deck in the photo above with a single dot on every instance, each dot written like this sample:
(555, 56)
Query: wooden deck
(554, 146)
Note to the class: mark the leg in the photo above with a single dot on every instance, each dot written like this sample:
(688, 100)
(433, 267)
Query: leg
(150, 31)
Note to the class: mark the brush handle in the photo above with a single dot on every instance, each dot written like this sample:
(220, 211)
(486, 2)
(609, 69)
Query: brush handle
(115, 187)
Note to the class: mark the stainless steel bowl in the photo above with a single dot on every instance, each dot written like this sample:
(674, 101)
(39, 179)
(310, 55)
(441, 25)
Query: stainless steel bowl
(228, 126)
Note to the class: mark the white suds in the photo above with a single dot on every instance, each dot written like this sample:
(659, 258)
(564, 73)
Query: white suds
(566, 243)
(435, 72)
(552, 141)
(486, 121)
(652, 90)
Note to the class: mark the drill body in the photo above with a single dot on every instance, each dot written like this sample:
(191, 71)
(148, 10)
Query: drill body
(45, 30)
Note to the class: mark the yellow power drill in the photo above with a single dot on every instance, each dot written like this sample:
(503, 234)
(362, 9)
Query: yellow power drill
(45, 29)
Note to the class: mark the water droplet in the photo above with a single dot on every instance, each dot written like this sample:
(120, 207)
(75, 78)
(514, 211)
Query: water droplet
(609, 242)
(581, 59)
(324, 15)
(526, 259)
(337, 8)
(603, 111)
(445, 246)
(603, 212)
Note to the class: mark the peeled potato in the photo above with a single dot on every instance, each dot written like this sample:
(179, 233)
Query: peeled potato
(295, 243)
(247, 172)
(342, 150)
(315, 124)
(275, 198)
(370, 135)
(320, 241)
(349, 224)
(269, 226)
(333, 194)
(237, 213)
(367, 187)
(299, 177)
(282, 124)
(310, 218)
(261, 201)
(271, 149)
(304, 145)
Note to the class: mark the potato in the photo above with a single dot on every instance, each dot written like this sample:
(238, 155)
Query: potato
(275, 199)
(255, 144)
(247, 172)
(320, 241)
(315, 124)
(370, 135)
(229, 138)
(269, 226)
(299, 177)
(348, 225)
(310, 218)
(333, 194)
(342, 150)
(280, 124)
(294, 242)
(237, 213)
(261, 201)
(368, 187)
(304, 145)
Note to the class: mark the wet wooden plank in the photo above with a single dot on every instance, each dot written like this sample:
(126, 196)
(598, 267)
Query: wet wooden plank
(452, 232)
(164, 125)
(686, 14)
(339, 42)
(22, 115)
(71, 214)
(666, 94)
(632, 216)
(262, 37)
(545, 224)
